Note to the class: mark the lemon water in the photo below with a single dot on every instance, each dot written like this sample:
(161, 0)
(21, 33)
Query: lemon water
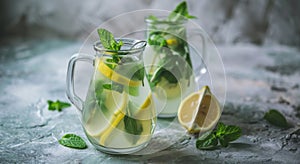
(167, 96)
(118, 112)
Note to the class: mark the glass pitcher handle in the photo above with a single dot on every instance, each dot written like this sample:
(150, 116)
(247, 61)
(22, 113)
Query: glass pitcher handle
(76, 100)
(197, 32)
(204, 42)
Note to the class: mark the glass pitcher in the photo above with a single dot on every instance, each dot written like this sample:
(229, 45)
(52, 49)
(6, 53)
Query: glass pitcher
(118, 114)
(169, 63)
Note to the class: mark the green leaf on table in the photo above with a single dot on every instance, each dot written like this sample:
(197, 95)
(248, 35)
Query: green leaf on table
(228, 133)
(223, 134)
(274, 117)
(57, 105)
(72, 141)
(207, 141)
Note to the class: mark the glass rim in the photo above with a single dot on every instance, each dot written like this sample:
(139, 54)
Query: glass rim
(164, 20)
(126, 41)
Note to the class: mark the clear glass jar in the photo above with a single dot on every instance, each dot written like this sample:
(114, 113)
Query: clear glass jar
(118, 114)
(168, 64)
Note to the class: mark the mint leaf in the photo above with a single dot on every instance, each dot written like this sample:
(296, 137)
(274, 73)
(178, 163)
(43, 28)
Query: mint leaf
(58, 105)
(114, 86)
(133, 126)
(276, 118)
(72, 141)
(133, 91)
(152, 17)
(180, 11)
(228, 132)
(156, 38)
(108, 41)
(207, 141)
(223, 134)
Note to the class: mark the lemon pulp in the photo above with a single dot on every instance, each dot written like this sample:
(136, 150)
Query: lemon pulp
(200, 111)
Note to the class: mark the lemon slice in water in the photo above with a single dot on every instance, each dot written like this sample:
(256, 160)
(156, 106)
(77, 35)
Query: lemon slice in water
(106, 138)
(116, 77)
(115, 102)
(200, 111)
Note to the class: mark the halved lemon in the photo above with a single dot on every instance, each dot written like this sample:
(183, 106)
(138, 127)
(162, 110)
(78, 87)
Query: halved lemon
(200, 111)
(116, 77)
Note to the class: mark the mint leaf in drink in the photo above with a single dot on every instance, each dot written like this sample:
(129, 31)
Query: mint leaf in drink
(156, 38)
(57, 105)
(223, 134)
(133, 126)
(152, 17)
(108, 41)
(274, 117)
(114, 86)
(72, 141)
(207, 141)
(180, 12)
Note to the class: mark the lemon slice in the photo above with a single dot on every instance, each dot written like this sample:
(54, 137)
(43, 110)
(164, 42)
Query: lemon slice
(200, 111)
(116, 77)
(172, 42)
(115, 120)
(106, 138)
(115, 102)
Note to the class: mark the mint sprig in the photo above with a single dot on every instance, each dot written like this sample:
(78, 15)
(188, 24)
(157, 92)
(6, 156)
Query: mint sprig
(72, 141)
(274, 117)
(57, 105)
(108, 41)
(223, 134)
(180, 11)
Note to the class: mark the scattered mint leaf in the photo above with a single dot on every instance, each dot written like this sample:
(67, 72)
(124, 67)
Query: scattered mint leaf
(207, 141)
(223, 134)
(274, 117)
(228, 132)
(58, 105)
(72, 141)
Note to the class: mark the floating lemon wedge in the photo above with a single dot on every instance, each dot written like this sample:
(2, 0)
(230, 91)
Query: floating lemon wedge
(116, 103)
(116, 77)
(105, 137)
(115, 120)
(200, 111)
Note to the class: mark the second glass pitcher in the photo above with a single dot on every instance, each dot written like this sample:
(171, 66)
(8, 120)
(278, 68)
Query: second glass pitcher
(169, 63)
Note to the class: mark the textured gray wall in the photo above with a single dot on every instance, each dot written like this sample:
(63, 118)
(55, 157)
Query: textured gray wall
(226, 21)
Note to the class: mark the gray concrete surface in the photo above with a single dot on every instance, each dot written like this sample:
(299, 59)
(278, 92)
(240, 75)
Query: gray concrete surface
(258, 78)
